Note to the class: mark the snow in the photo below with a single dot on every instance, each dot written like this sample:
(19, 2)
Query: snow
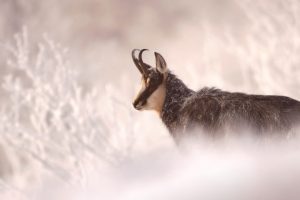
(64, 138)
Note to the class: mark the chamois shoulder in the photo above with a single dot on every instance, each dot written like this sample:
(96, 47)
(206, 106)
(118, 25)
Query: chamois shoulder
(207, 100)
(209, 91)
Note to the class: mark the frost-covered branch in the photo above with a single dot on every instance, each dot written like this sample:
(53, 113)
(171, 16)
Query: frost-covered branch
(49, 117)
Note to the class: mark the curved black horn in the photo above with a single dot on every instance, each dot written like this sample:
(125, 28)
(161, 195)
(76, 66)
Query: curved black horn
(145, 67)
(140, 55)
(136, 61)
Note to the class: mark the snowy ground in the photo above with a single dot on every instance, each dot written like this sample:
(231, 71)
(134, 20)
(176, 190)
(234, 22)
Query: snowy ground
(69, 131)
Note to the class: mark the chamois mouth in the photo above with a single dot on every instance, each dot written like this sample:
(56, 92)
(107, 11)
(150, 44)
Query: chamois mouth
(138, 105)
(138, 108)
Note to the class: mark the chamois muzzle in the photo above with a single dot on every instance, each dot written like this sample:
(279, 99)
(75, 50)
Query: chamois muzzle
(138, 104)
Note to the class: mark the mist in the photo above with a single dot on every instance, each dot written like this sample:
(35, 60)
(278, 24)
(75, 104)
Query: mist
(69, 130)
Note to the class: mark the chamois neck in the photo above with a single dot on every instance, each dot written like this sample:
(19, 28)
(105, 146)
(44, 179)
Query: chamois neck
(176, 90)
(176, 94)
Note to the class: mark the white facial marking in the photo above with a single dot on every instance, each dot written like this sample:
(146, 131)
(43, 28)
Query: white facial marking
(147, 81)
(156, 99)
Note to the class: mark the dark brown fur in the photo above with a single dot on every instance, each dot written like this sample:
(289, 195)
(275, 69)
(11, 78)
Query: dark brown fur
(215, 111)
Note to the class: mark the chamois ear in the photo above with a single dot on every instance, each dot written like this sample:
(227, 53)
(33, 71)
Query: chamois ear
(161, 64)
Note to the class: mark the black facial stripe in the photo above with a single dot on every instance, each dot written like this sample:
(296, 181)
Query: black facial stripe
(154, 84)
(147, 93)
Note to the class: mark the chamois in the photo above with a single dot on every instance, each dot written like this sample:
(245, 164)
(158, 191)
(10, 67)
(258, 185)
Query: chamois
(212, 110)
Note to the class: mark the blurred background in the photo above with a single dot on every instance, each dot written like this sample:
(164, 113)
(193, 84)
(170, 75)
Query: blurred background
(236, 45)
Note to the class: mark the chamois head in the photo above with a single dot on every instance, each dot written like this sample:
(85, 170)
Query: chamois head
(152, 93)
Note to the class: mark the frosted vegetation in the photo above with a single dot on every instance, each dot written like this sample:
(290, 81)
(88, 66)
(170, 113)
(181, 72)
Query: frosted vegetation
(50, 125)
(68, 129)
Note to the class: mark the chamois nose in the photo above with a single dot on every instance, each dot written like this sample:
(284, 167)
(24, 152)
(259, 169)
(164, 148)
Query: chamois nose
(137, 105)
(134, 104)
